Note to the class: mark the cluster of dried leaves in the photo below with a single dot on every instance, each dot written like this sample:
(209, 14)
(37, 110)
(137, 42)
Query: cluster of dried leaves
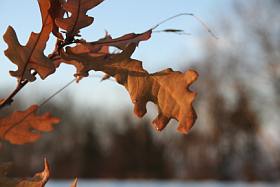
(168, 89)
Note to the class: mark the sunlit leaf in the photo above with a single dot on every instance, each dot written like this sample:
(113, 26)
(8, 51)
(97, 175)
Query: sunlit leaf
(31, 56)
(168, 89)
(78, 18)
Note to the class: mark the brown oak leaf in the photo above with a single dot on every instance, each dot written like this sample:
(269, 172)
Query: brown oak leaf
(26, 126)
(123, 41)
(31, 56)
(78, 19)
(57, 12)
(38, 180)
(168, 89)
(98, 54)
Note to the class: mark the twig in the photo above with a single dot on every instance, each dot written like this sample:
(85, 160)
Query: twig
(175, 31)
(187, 14)
(61, 89)
(9, 99)
(22, 83)
(56, 93)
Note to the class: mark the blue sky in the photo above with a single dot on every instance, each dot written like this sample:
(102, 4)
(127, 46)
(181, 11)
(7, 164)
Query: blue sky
(118, 17)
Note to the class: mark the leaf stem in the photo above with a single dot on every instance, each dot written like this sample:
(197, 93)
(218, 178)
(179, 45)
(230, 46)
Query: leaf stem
(21, 84)
(9, 99)
(56, 93)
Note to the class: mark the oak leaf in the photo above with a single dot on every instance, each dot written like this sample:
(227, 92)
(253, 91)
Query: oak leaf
(78, 19)
(31, 56)
(56, 11)
(38, 180)
(96, 54)
(26, 126)
(168, 89)
(123, 41)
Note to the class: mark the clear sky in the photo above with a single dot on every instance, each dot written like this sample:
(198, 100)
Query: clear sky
(118, 17)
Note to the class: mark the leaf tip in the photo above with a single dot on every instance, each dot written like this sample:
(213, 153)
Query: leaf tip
(139, 108)
(46, 165)
(186, 125)
(191, 76)
(44, 175)
(160, 122)
(75, 182)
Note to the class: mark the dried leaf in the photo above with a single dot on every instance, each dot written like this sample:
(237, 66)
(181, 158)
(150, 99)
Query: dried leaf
(78, 18)
(56, 11)
(74, 184)
(96, 54)
(31, 56)
(39, 179)
(168, 89)
(124, 41)
(84, 62)
(26, 126)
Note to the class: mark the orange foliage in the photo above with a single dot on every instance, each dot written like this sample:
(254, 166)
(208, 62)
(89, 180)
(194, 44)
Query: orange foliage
(32, 55)
(25, 127)
(173, 100)
(168, 89)
(78, 18)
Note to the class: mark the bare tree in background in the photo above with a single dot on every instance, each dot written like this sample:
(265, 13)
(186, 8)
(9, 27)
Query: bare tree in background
(238, 105)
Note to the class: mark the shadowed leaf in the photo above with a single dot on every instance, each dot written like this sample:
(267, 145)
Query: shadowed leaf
(56, 11)
(39, 179)
(26, 126)
(78, 18)
(124, 41)
(96, 54)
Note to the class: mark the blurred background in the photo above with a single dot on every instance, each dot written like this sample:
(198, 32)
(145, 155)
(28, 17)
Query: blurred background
(236, 136)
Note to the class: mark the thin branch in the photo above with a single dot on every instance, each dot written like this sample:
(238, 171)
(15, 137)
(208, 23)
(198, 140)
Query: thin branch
(56, 93)
(21, 84)
(9, 99)
(65, 86)
(174, 31)
(188, 14)
(43, 103)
